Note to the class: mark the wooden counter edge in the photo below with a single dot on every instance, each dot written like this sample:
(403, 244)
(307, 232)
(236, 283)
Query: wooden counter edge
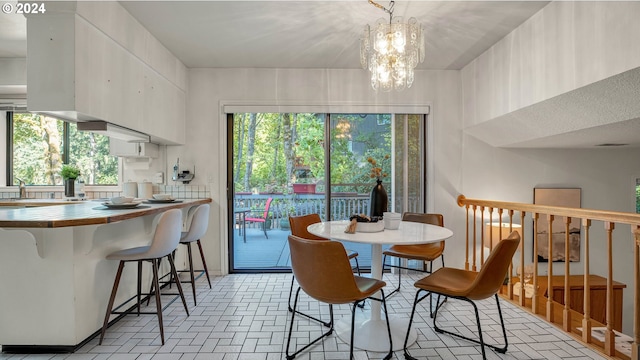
(97, 220)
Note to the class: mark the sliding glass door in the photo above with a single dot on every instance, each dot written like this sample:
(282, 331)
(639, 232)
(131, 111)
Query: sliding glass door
(288, 164)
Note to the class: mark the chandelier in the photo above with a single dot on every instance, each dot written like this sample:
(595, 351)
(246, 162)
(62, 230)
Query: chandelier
(391, 50)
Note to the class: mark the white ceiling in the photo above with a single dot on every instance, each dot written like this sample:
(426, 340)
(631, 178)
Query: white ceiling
(320, 34)
(303, 34)
(325, 34)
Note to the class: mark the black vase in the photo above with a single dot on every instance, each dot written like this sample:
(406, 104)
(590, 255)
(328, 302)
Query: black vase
(378, 201)
(69, 190)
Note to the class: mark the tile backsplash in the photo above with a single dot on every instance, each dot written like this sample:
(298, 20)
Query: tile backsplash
(177, 191)
(183, 191)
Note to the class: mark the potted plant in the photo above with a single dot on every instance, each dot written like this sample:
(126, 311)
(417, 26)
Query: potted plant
(378, 199)
(287, 209)
(284, 223)
(69, 174)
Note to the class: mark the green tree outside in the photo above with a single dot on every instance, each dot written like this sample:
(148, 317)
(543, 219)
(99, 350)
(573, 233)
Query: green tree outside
(38, 152)
(265, 153)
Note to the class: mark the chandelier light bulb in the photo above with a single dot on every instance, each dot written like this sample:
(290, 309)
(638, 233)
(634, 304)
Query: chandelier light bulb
(383, 73)
(398, 47)
(382, 46)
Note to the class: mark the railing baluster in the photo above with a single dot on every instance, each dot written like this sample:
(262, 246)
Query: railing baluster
(609, 336)
(635, 348)
(566, 312)
(481, 235)
(510, 277)
(475, 227)
(490, 230)
(490, 233)
(535, 308)
(500, 210)
(522, 283)
(550, 269)
(586, 320)
(466, 248)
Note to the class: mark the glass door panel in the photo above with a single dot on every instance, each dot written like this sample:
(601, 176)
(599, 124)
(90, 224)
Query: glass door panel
(278, 167)
(360, 144)
(409, 175)
(278, 171)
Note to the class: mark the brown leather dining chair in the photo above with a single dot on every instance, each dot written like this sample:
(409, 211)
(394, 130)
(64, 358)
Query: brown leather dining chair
(469, 286)
(324, 273)
(299, 226)
(422, 252)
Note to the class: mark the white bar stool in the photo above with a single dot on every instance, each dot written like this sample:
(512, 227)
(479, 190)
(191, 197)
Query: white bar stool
(199, 216)
(164, 242)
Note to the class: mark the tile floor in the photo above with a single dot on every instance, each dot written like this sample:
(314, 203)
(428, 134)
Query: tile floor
(245, 317)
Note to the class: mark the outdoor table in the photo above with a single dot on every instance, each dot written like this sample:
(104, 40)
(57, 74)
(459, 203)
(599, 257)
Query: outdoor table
(242, 213)
(370, 328)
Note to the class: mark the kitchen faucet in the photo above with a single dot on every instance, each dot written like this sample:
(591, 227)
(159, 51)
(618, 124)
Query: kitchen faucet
(23, 189)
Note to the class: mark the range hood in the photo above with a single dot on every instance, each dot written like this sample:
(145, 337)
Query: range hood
(9, 103)
(114, 131)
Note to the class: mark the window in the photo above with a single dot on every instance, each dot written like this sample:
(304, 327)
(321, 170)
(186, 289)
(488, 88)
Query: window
(38, 145)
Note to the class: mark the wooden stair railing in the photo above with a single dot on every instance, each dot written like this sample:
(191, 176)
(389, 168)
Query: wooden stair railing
(476, 209)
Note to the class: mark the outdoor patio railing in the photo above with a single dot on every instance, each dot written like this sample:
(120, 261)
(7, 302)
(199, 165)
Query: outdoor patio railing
(600, 230)
(343, 205)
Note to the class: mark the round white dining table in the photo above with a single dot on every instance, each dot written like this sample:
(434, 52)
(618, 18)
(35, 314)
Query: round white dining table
(370, 328)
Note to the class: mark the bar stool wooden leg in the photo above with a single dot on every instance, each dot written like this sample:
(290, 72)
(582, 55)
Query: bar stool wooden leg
(179, 285)
(156, 283)
(139, 284)
(193, 280)
(151, 288)
(116, 282)
(204, 263)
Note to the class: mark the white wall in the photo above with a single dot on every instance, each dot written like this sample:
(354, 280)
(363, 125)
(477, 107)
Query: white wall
(210, 89)
(565, 46)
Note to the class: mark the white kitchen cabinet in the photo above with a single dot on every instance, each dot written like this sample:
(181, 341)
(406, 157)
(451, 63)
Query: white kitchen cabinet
(105, 73)
(126, 149)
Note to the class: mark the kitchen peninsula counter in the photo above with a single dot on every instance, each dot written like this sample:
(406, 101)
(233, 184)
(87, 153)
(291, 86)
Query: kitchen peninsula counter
(55, 277)
(43, 213)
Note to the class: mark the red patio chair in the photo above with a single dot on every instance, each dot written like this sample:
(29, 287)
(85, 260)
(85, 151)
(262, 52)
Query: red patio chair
(250, 218)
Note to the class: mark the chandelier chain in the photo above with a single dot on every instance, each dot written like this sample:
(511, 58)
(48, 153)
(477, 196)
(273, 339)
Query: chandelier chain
(381, 7)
